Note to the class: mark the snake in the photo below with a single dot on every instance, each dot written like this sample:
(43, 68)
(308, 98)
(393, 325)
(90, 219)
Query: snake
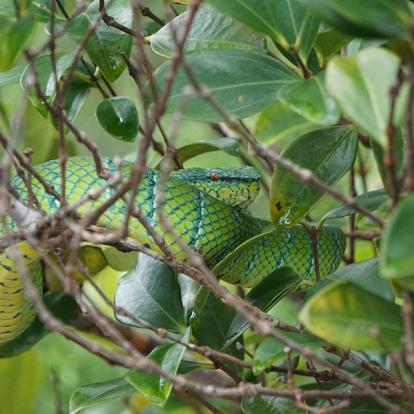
(206, 208)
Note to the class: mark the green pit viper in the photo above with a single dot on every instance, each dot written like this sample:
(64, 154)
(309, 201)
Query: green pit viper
(206, 208)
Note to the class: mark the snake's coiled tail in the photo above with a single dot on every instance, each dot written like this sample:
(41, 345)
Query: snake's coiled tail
(259, 256)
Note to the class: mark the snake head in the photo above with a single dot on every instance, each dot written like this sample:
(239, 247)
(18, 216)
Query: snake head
(236, 187)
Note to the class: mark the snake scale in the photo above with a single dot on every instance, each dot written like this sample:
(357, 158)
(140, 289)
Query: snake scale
(206, 210)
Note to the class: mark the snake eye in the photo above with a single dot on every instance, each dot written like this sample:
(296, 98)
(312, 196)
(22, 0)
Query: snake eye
(214, 176)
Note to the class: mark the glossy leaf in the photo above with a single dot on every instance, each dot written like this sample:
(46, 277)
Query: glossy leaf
(369, 18)
(361, 86)
(151, 292)
(243, 83)
(286, 21)
(370, 200)
(346, 315)
(93, 394)
(61, 305)
(328, 154)
(209, 30)
(365, 274)
(119, 117)
(278, 123)
(265, 404)
(270, 351)
(107, 45)
(156, 388)
(13, 37)
(229, 145)
(397, 259)
(310, 99)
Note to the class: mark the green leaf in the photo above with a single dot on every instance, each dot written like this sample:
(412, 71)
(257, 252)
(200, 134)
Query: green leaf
(107, 46)
(328, 42)
(13, 37)
(45, 79)
(151, 292)
(209, 30)
(120, 261)
(119, 117)
(243, 83)
(310, 100)
(286, 21)
(270, 351)
(156, 388)
(75, 97)
(328, 154)
(12, 76)
(229, 145)
(361, 86)
(61, 305)
(372, 200)
(279, 123)
(217, 324)
(397, 259)
(370, 18)
(365, 274)
(346, 315)
(269, 405)
(20, 381)
(187, 366)
(93, 394)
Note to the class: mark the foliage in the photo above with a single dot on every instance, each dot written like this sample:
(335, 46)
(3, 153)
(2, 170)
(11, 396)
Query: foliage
(318, 96)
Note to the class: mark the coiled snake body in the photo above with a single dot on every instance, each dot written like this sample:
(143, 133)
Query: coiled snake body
(205, 208)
